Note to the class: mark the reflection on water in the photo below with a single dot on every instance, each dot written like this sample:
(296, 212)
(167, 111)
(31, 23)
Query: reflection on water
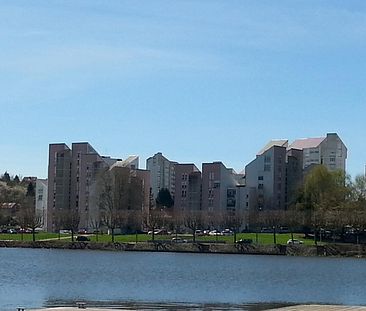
(37, 277)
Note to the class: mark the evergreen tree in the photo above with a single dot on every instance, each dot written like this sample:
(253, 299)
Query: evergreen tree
(30, 190)
(164, 198)
(6, 177)
(16, 179)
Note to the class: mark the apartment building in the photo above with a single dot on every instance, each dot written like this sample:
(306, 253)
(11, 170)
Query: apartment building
(267, 174)
(187, 188)
(162, 174)
(219, 188)
(41, 200)
(278, 171)
(329, 151)
(71, 171)
(73, 176)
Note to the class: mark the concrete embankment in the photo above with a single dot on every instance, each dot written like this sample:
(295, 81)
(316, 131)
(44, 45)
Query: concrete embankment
(336, 250)
(292, 308)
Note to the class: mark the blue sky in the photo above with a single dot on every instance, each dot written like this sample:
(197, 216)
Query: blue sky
(200, 81)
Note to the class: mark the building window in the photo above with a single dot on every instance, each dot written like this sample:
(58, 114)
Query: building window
(267, 159)
(260, 177)
(260, 186)
(267, 167)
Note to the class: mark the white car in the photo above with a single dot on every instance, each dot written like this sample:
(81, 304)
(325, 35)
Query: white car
(227, 232)
(214, 232)
(294, 242)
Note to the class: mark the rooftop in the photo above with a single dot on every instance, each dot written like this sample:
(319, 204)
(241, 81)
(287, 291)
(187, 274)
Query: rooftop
(306, 143)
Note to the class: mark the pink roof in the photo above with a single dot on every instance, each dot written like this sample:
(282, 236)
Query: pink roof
(277, 142)
(306, 143)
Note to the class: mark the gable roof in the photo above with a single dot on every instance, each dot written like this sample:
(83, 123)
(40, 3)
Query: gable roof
(306, 143)
(277, 142)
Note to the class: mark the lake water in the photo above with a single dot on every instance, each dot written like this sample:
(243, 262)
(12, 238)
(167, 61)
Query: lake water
(34, 278)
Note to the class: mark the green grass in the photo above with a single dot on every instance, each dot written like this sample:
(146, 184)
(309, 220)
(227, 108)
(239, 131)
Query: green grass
(28, 236)
(263, 238)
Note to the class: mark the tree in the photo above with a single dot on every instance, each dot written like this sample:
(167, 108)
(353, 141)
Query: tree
(323, 191)
(193, 220)
(30, 190)
(70, 220)
(255, 222)
(95, 224)
(164, 198)
(154, 220)
(29, 218)
(16, 179)
(6, 177)
(111, 194)
(119, 193)
(234, 221)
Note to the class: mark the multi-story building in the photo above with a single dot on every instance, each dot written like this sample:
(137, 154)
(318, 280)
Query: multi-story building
(187, 188)
(329, 151)
(71, 173)
(162, 174)
(41, 200)
(294, 175)
(72, 180)
(219, 188)
(278, 171)
(267, 173)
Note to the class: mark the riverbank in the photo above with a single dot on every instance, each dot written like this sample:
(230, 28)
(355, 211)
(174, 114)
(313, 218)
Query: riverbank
(292, 308)
(334, 250)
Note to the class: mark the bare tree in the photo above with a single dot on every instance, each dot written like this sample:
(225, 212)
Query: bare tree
(193, 220)
(96, 224)
(154, 220)
(70, 220)
(234, 221)
(107, 202)
(120, 194)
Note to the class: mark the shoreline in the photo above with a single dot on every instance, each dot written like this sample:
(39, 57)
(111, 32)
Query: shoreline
(309, 307)
(331, 250)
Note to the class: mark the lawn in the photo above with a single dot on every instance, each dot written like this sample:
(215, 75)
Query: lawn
(263, 238)
(28, 236)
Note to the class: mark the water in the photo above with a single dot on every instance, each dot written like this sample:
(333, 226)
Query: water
(35, 278)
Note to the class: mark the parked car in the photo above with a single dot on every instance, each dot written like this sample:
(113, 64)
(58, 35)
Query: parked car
(24, 230)
(214, 232)
(294, 242)
(227, 232)
(12, 231)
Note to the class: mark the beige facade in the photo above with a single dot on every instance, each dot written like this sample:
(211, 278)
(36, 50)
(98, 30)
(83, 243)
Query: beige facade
(187, 188)
(72, 175)
(162, 174)
(329, 151)
(41, 200)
